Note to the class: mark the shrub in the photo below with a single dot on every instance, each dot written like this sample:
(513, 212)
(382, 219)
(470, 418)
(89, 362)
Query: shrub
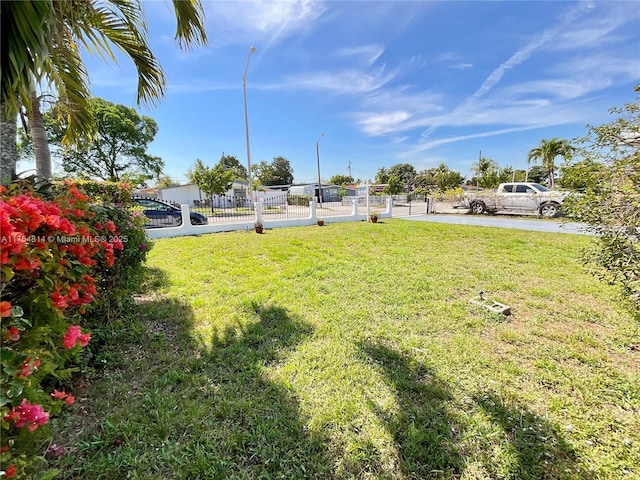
(299, 200)
(61, 256)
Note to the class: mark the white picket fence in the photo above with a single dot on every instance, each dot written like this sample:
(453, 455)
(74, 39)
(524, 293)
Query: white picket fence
(358, 214)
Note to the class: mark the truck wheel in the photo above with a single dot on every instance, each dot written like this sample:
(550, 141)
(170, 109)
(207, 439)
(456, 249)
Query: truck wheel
(549, 209)
(477, 207)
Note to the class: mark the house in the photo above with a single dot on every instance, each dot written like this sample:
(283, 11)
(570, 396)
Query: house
(330, 193)
(236, 196)
(191, 195)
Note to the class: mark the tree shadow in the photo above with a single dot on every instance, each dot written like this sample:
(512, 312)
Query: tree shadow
(154, 279)
(425, 434)
(540, 452)
(261, 434)
(183, 411)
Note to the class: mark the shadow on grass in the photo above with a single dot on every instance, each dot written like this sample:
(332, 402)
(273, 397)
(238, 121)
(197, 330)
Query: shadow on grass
(257, 421)
(539, 450)
(424, 433)
(429, 439)
(170, 409)
(154, 279)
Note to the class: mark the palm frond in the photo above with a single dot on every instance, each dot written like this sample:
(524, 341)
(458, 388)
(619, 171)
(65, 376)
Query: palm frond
(190, 18)
(24, 39)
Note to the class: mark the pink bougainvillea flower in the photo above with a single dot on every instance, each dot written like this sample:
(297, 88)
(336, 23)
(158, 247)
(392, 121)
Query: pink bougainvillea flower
(74, 335)
(12, 334)
(27, 415)
(5, 309)
(55, 450)
(28, 367)
(84, 339)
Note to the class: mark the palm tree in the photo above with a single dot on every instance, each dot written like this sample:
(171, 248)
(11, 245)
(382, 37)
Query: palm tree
(547, 152)
(41, 42)
(483, 166)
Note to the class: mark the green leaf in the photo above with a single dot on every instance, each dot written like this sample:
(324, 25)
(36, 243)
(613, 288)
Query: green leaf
(15, 388)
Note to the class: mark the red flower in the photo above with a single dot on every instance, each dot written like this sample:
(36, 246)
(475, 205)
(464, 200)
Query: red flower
(5, 309)
(76, 193)
(27, 264)
(68, 399)
(59, 301)
(52, 220)
(10, 472)
(110, 226)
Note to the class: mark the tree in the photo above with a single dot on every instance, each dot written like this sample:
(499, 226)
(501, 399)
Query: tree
(405, 171)
(494, 177)
(340, 179)
(229, 162)
(117, 152)
(610, 207)
(483, 166)
(211, 180)
(440, 178)
(581, 176)
(394, 186)
(536, 174)
(41, 42)
(278, 172)
(448, 179)
(165, 181)
(547, 152)
(382, 176)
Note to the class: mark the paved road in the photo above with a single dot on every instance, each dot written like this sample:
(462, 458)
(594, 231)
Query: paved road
(504, 222)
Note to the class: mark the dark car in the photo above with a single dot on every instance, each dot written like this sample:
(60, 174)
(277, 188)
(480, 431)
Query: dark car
(162, 214)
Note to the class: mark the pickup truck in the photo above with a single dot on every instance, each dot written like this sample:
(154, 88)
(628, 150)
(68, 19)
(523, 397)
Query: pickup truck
(516, 197)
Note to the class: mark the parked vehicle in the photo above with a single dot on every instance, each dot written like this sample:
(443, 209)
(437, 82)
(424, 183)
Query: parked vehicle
(162, 214)
(516, 197)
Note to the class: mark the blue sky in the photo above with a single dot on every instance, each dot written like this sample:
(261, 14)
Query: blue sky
(420, 82)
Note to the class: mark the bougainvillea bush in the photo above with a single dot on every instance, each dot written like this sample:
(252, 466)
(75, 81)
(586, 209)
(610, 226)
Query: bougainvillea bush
(63, 257)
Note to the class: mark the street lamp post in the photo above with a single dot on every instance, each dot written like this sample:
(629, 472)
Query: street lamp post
(318, 159)
(246, 126)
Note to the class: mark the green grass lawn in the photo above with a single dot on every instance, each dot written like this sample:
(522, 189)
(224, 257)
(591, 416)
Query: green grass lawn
(352, 351)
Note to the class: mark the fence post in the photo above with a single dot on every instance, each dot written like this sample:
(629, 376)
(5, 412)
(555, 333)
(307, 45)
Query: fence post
(312, 210)
(259, 209)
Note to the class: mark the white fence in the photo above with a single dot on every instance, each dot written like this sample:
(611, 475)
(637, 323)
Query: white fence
(358, 213)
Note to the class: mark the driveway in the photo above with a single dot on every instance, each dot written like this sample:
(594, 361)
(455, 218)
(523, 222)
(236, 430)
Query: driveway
(552, 226)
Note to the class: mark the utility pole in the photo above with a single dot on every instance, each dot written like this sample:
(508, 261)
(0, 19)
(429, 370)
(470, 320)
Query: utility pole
(350, 168)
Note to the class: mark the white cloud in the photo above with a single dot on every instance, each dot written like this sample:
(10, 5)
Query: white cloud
(576, 78)
(348, 81)
(371, 53)
(382, 123)
(265, 21)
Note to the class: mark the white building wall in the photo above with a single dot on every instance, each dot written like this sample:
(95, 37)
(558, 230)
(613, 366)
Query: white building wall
(181, 195)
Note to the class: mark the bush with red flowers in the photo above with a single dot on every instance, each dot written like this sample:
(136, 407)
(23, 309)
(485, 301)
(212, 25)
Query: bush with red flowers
(63, 257)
